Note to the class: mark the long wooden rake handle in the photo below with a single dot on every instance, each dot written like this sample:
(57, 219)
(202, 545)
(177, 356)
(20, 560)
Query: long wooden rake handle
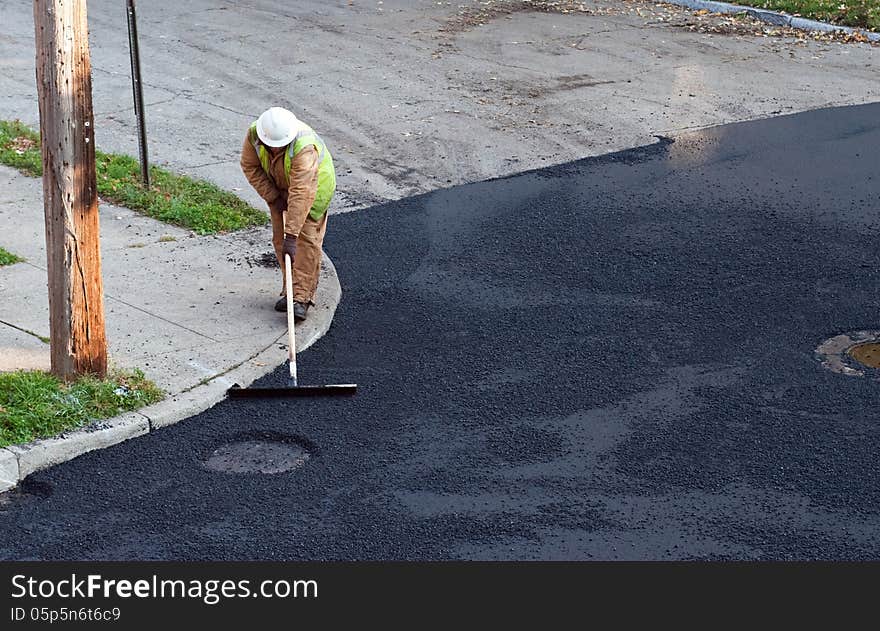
(291, 335)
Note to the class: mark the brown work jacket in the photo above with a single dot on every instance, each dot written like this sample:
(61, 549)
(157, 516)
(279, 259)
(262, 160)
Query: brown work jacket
(274, 186)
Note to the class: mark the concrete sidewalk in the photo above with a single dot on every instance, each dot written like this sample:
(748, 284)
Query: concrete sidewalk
(194, 313)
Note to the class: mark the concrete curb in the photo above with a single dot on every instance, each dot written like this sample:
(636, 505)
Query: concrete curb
(19, 461)
(41, 454)
(772, 17)
(8, 469)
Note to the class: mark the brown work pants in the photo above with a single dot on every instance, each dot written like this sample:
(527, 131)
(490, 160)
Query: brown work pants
(307, 262)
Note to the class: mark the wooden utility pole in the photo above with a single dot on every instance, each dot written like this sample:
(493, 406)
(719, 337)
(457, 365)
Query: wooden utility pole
(76, 293)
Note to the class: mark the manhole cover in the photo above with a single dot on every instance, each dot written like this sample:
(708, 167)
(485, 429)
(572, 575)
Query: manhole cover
(851, 353)
(867, 354)
(257, 456)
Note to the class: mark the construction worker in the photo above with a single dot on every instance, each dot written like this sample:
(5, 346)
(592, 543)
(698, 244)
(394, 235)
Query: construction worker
(288, 164)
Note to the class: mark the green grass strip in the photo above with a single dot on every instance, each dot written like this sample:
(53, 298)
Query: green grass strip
(8, 258)
(35, 404)
(176, 199)
(20, 148)
(863, 14)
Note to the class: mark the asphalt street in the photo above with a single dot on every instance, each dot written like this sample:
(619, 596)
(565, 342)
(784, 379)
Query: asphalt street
(608, 359)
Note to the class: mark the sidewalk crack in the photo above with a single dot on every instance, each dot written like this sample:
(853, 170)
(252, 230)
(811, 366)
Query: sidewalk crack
(208, 380)
(44, 340)
(149, 313)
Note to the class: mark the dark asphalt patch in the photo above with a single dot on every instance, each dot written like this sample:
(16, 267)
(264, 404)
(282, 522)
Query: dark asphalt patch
(264, 259)
(28, 491)
(613, 358)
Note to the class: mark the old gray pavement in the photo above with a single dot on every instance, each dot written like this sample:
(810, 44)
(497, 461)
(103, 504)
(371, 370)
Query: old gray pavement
(412, 96)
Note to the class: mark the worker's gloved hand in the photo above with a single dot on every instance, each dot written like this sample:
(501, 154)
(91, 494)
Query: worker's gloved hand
(280, 204)
(289, 247)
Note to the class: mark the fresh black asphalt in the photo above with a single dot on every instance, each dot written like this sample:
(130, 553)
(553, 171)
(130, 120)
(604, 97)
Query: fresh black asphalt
(608, 359)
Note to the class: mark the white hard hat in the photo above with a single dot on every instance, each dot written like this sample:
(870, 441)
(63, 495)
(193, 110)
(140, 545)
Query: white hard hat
(276, 127)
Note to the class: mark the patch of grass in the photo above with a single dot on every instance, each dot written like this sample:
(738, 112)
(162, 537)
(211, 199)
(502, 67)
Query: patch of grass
(176, 199)
(167, 238)
(863, 14)
(8, 258)
(20, 148)
(35, 404)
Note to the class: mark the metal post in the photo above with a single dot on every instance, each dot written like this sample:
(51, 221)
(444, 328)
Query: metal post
(138, 92)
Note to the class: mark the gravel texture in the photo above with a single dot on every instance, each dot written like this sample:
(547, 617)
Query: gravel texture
(608, 359)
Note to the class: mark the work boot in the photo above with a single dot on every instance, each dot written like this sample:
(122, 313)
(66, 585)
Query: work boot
(281, 305)
(299, 310)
